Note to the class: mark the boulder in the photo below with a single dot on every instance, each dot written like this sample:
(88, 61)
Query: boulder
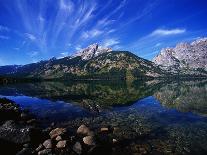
(57, 132)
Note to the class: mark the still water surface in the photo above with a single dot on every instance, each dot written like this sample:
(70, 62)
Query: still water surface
(168, 117)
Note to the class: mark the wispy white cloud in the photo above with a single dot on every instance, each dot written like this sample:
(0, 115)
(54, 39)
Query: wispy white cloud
(30, 36)
(63, 54)
(150, 54)
(167, 32)
(4, 37)
(66, 5)
(75, 22)
(110, 42)
(16, 48)
(158, 44)
(92, 33)
(78, 48)
(4, 28)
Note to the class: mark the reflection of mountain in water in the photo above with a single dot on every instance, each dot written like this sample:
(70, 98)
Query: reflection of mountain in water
(93, 95)
(185, 96)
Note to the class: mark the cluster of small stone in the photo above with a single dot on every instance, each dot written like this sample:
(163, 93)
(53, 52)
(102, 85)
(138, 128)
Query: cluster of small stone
(84, 141)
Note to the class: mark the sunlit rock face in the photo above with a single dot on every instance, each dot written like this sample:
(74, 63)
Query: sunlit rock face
(92, 51)
(184, 57)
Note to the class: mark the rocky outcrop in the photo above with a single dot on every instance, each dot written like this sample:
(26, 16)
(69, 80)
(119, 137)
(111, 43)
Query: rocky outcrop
(17, 129)
(186, 58)
(91, 51)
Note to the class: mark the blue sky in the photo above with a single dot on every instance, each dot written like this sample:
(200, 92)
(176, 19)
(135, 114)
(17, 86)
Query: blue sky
(34, 30)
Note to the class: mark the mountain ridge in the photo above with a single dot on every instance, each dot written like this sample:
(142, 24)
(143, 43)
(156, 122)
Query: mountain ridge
(96, 62)
(93, 62)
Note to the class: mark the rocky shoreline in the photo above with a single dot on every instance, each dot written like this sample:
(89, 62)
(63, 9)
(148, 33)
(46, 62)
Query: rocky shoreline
(21, 134)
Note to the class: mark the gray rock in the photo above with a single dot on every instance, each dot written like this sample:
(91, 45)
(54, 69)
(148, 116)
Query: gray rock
(48, 144)
(91, 51)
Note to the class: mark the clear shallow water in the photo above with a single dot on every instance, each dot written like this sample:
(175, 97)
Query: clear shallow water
(167, 117)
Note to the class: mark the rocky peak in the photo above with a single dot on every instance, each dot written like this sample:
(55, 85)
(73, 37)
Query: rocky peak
(185, 55)
(199, 41)
(92, 51)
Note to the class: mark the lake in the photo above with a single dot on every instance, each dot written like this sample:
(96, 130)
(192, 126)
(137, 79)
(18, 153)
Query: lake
(163, 116)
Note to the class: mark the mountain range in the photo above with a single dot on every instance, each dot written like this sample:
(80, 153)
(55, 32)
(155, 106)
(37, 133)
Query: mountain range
(185, 58)
(96, 62)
